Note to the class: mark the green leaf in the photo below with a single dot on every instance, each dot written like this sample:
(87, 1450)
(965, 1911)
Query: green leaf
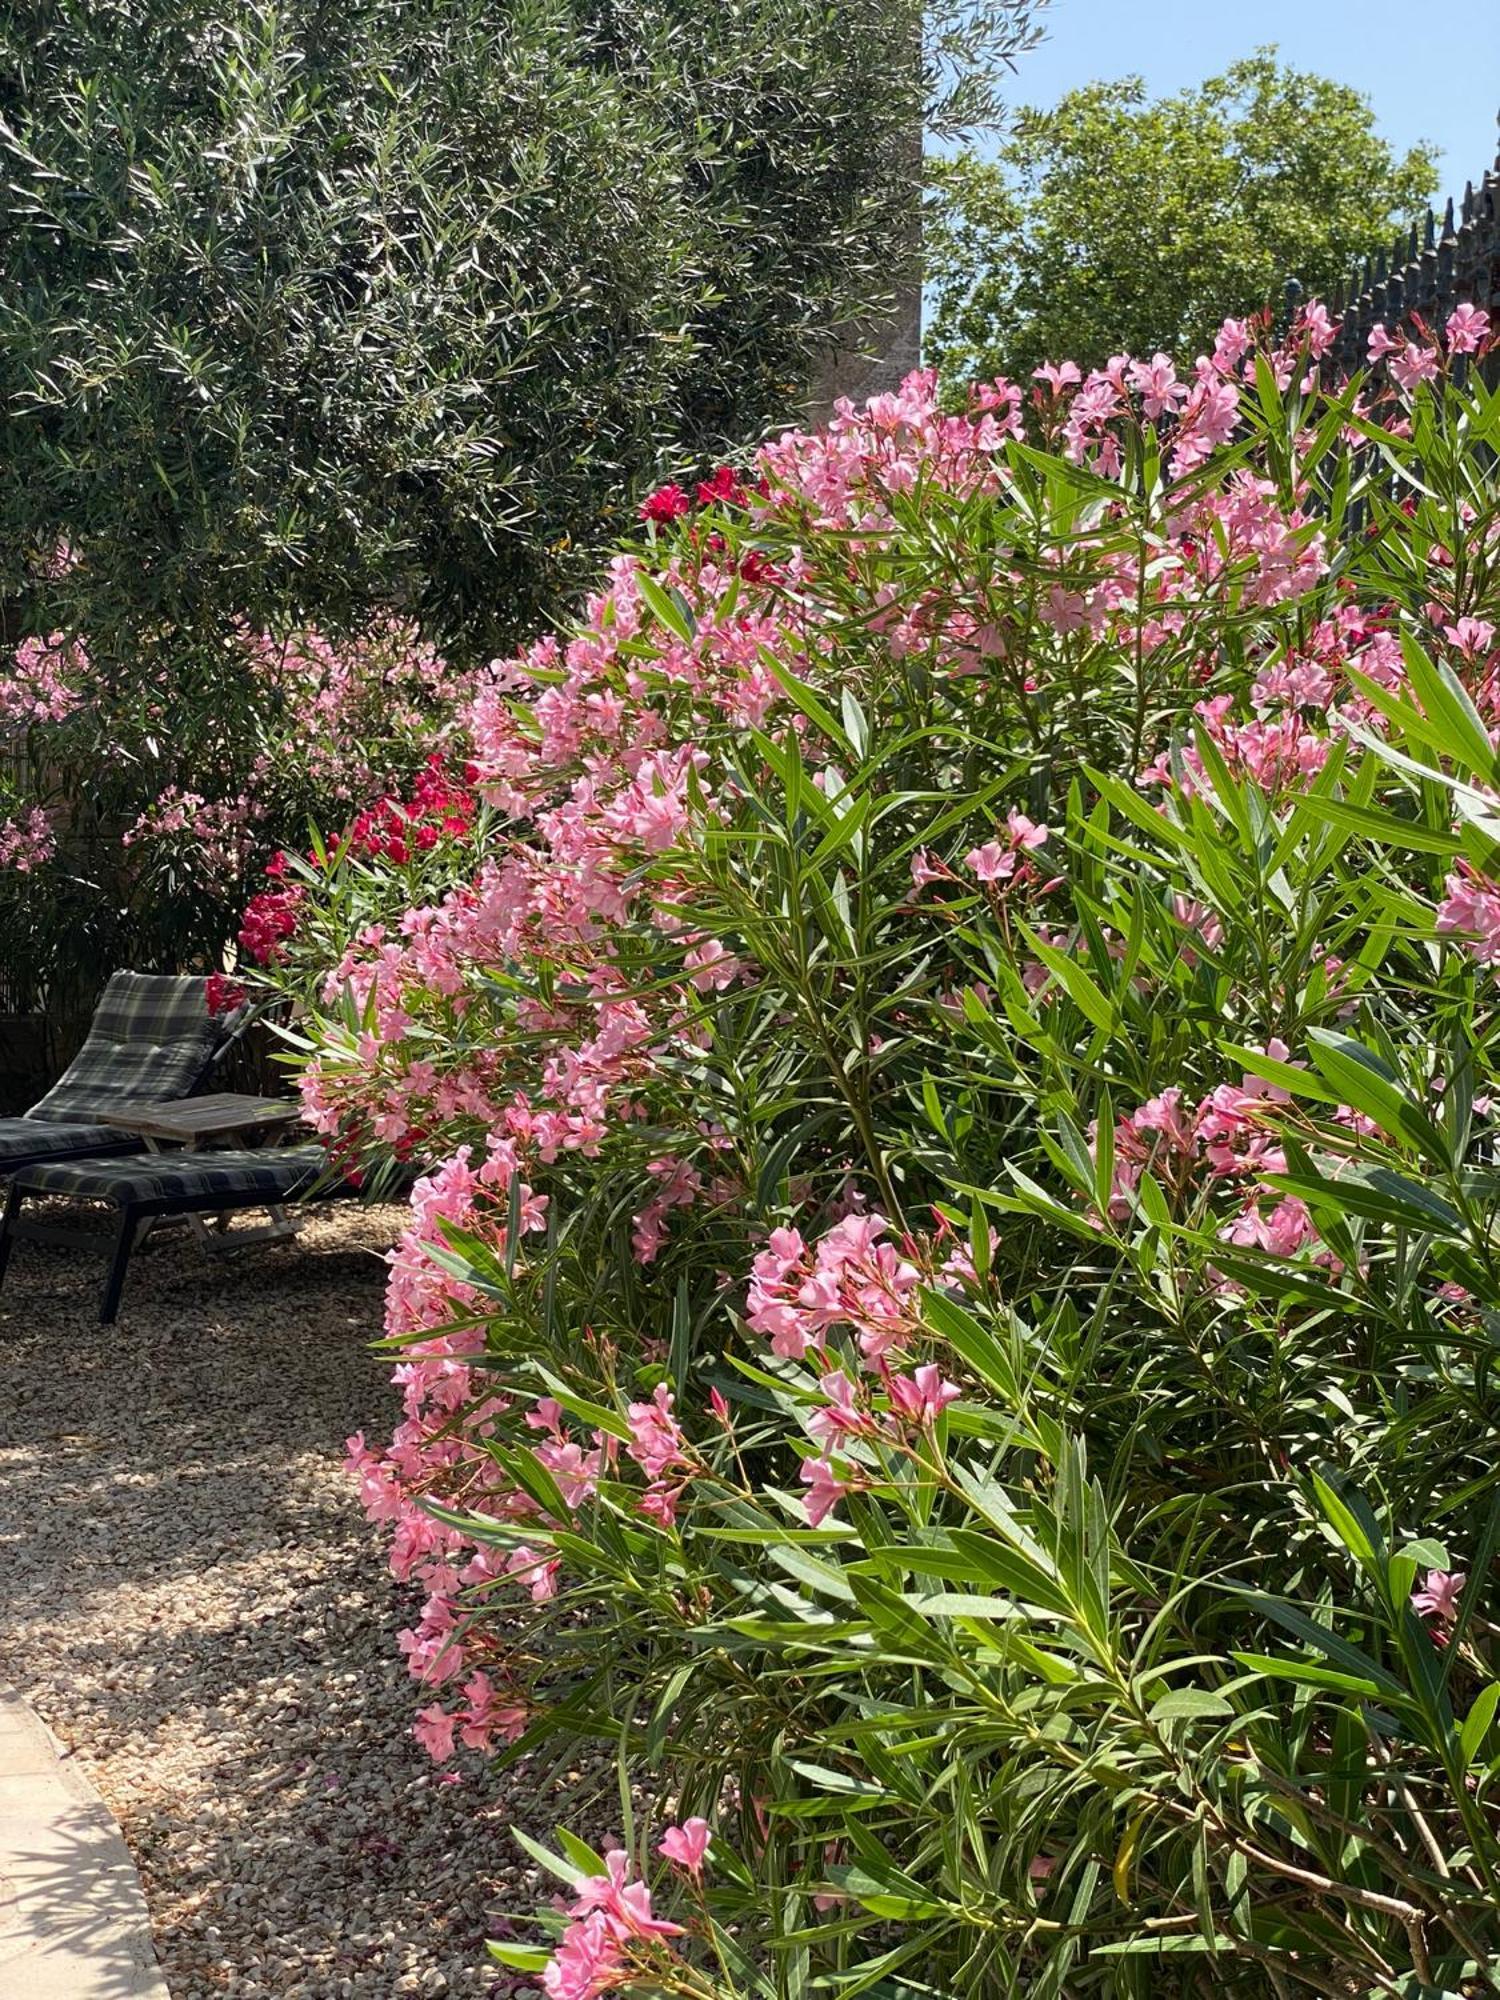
(1287, 1076)
(1369, 1085)
(1456, 726)
(1387, 828)
(1190, 1705)
(978, 1346)
(1080, 987)
(1476, 1724)
(523, 1957)
(1377, 1193)
(805, 698)
(891, 1895)
(1353, 1523)
(666, 606)
(565, 1871)
(1348, 1658)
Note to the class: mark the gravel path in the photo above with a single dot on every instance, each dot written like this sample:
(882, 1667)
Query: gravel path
(192, 1599)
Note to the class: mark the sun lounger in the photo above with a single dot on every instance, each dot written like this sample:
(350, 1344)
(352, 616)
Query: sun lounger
(146, 1188)
(152, 1037)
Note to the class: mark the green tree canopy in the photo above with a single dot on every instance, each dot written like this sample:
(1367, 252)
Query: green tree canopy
(1116, 222)
(325, 305)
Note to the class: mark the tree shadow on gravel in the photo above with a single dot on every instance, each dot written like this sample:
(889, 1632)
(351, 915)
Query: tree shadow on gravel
(191, 1597)
(218, 1379)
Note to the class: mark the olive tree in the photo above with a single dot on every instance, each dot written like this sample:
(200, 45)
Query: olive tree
(327, 305)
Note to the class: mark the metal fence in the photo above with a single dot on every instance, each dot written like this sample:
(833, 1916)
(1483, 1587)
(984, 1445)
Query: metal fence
(1450, 261)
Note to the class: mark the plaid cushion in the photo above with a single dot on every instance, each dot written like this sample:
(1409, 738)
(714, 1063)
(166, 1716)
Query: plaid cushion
(27, 1141)
(243, 1179)
(152, 1037)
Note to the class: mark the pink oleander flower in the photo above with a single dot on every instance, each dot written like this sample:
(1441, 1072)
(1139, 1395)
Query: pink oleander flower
(989, 863)
(1438, 1595)
(1058, 375)
(1416, 363)
(712, 967)
(1286, 1230)
(1380, 343)
(624, 1905)
(841, 1415)
(923, 1395)
(1471, 910)
(28, 841)
(44, 682)
(686, 1846)
(656, 1442)
(667, 503)
(223, 996)
(824, 1490)
(1232, 344)
(1198, 918)
(1468, 328)
(1155, 381)
(433, 1729)
(1319, 327)
(588, 1961)
(997, 861)
(1471, 636)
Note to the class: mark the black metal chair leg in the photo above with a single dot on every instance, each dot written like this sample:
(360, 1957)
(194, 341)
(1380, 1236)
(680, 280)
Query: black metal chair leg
(114, 1284)
(13, 1200)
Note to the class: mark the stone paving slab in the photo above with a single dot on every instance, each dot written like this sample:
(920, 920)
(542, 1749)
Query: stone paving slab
(73, 1923)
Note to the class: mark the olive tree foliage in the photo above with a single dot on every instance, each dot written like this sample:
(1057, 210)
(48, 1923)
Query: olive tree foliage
(1116, 222)
(330, 305)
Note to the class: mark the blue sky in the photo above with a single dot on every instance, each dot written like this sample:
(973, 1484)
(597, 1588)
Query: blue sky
(1431, 71)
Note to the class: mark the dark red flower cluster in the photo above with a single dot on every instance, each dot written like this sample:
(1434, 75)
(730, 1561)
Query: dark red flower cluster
(757, 567)
(221, 995)
(436, 796)
(270, 917)
(392, 831)
(669, 503)
(724, 485)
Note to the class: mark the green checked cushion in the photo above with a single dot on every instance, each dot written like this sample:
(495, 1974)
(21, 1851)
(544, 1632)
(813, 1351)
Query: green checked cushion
(151, 1038)
(183, 1180)
(24, 1141)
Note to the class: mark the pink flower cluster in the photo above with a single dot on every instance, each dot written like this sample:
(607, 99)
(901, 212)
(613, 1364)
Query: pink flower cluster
(1005, 861)
(612, 1922)
(1229, 1141)
(212, 836)
(27, 840)
(852, 1279)
(46, 680)
(1413, 359)
(1470, 911)
(270, 918)
(337, 698)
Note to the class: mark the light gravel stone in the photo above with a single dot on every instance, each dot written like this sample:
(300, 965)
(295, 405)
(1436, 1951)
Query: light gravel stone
(191, 1598)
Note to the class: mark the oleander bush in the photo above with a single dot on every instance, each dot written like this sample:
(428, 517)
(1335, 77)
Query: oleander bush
(139, 803)
(950, 1029)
